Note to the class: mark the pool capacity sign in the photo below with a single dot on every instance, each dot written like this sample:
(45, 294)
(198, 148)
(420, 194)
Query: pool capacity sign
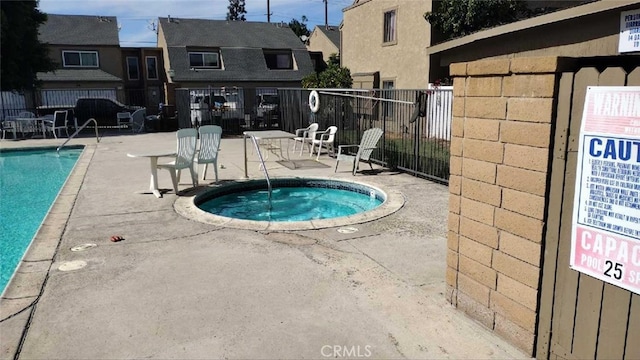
(605, 238)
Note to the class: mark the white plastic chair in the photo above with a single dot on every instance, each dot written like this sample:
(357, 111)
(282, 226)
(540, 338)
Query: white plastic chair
(325, 138)
(27, 126)
(124, 118)
(210, 136)
(305, 136)
(59, 122)
(367, 144)
(184, 157)
(8, 125)
(137, 120)
(26, 114)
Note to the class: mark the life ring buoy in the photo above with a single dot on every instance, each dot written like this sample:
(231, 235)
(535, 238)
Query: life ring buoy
(314, 101)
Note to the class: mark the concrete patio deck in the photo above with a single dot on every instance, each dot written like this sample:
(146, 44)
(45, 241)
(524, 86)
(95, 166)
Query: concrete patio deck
(179, 288)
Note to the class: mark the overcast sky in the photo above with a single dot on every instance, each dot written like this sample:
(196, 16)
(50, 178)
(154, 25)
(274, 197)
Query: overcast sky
(135, 17)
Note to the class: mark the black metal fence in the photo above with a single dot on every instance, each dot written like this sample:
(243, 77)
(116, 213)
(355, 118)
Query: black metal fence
(420, 147)
(235, 109)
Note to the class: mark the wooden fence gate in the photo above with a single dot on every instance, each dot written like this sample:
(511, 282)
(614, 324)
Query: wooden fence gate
(581, 317)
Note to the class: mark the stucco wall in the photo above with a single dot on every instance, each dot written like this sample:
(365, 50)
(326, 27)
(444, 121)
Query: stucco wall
(109, 58)
(362, 42)
(501, 131)
(321, 43)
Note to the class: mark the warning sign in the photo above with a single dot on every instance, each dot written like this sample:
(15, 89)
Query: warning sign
(605, 239)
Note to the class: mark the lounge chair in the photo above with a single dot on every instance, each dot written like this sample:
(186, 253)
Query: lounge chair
(305, 136)
(367, 144)
(210, 136)
(184, 157)
(325, 139)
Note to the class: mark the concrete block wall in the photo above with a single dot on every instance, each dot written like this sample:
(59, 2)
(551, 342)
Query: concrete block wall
(500, 145)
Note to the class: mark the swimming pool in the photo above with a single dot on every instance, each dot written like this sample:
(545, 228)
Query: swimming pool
(30, 182)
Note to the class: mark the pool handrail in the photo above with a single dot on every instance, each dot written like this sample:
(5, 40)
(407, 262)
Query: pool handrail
(264, 167)
(77, 131)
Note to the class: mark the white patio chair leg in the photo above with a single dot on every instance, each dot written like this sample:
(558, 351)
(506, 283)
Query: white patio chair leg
(215, 169)
(319, 150)
(174, 179)
(194, 176)
(204, 171)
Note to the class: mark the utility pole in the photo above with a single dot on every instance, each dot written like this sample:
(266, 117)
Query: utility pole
(326, 16)
(268, 12)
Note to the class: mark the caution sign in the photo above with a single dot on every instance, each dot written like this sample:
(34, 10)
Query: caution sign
(605, 238)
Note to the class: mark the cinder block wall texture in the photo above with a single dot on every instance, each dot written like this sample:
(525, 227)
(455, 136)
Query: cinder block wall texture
(500, 145)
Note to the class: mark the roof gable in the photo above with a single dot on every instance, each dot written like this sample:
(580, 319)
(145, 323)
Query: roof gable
(79, 30)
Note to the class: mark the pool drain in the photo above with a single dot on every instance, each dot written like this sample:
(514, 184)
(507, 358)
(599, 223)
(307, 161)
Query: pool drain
(347, 230)
(72, 265)
(83, 247)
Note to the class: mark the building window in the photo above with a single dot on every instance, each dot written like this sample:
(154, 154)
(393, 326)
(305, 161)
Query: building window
(278, 59)
(152, 67)
(80, 58)
(389, 26)
(204, 60)
(132, 68)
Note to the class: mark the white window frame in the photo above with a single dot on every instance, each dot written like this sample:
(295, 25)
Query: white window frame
(146, 62)
(203, 53)
(80, 52)
(137, 67)
(390, 26)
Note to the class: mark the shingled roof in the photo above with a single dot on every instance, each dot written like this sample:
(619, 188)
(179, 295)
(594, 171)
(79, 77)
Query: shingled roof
(241, 45)
(77, 75)
(79, 30)
(222, 33)
(332, 33)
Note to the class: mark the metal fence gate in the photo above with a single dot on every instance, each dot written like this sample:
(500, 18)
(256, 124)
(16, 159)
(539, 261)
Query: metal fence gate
(581, 317)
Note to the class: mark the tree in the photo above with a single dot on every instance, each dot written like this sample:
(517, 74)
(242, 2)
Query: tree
(23, 55)
(236, 10)
(454, 18)
(299, 27)
(334, 76)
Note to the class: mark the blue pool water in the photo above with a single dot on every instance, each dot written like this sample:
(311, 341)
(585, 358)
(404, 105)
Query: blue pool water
(30, 180)
(291, 204)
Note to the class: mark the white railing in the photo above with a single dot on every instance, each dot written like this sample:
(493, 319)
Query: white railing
(77, 131)
(264, 167)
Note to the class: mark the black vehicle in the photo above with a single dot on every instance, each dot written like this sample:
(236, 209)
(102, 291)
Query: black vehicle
(267, 108)
(104, 110)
